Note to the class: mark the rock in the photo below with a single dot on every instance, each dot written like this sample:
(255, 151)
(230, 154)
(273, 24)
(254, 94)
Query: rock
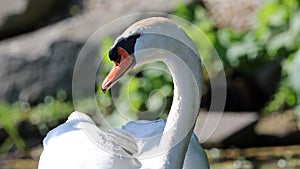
(29, 79)
(212, 132)
(8, 8)
(27, 15)
(279, 125)
(275, 130)
(40, 63)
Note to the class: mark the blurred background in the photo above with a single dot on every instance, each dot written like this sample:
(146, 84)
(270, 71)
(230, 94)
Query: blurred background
(258, 42)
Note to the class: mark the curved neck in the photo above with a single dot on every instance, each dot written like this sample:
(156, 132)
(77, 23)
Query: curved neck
(182, 116)
(185, 67)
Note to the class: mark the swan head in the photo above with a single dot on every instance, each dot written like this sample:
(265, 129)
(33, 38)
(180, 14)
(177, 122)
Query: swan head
(122, 54)
(147, 33)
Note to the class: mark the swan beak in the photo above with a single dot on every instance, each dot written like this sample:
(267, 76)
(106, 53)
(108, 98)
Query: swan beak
(119, 69)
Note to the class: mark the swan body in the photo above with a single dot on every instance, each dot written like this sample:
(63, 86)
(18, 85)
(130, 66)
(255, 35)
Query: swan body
(79, 143)
(68, 146)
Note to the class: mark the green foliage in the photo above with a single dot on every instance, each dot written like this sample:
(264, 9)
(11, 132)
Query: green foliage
(151, 90)
(104, 100)
(49, 113)
(8, 118)
(185, 11)
(275, 36)
(285, 97)
(279, 23)
(291, 70)
(44, 116)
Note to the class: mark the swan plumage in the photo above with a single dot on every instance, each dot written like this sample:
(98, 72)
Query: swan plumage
(68, 146)
(79, 143)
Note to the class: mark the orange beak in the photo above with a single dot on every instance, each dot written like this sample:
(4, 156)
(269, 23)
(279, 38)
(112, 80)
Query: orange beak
(119, 69)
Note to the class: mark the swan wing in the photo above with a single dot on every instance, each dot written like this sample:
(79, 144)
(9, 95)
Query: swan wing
(148, 135)
(80, 144)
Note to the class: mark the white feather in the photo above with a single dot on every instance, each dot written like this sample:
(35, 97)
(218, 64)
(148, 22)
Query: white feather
(80, 144)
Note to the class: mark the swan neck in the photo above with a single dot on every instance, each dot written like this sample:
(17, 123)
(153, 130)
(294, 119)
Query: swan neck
(184, 65)
(183, 112)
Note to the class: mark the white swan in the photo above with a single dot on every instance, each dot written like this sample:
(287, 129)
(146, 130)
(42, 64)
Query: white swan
(79, 143)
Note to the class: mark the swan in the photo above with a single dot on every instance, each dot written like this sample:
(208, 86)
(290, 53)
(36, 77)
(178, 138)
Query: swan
(79, 143)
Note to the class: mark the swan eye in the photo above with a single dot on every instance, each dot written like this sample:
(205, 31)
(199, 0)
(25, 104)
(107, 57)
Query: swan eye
(127, 43)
